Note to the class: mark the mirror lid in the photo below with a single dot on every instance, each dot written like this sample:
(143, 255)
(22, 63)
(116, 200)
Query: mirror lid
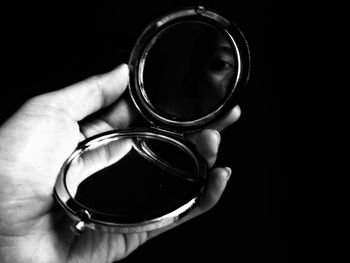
(150, 35)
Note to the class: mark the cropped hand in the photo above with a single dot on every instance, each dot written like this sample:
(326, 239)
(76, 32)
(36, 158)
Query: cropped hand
(35, 142)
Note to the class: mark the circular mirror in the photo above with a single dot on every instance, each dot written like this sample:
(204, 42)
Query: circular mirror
(130, 179)
(186, 71)
(189, 71)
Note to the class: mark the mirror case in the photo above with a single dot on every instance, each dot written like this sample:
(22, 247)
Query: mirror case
(170, 66)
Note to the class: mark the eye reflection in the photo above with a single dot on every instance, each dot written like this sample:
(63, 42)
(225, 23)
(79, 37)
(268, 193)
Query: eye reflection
(218, 74)
(219, 62)
(219, 65)
(189, 71)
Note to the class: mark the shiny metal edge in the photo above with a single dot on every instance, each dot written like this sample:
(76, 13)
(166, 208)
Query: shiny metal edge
(74, 208)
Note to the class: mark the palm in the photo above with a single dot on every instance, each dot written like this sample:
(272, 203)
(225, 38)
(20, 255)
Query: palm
(59, 136)
(34, 144)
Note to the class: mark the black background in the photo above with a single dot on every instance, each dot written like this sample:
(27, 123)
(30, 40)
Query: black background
(46, 47)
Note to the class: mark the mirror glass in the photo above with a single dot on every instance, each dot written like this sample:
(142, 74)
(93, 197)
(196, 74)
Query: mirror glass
(186, 70)
(171, 158)
(121, 178)
(189, 71)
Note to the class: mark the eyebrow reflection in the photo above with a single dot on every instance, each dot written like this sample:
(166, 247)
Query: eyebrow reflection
(227, 49)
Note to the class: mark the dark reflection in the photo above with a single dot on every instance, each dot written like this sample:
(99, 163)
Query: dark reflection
(169, 157)
(130, 186)
(189, 71)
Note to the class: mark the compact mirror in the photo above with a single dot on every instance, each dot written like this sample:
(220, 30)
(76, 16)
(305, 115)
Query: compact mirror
(187, 70)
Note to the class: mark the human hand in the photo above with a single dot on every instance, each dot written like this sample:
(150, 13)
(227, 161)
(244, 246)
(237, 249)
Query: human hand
(36, 141)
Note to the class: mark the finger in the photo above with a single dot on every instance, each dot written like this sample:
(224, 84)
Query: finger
(90, 95)
(217, 182)
(118, 116)
(231, 117)
(207, 144)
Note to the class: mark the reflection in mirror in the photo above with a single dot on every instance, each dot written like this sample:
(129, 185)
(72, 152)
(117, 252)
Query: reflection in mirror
(189, 71)
(168, 157)
(116, 179)
(92, 161)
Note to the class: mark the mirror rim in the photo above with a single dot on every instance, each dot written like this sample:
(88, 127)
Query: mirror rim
(111, 223)
(76, 210)
(143, 44)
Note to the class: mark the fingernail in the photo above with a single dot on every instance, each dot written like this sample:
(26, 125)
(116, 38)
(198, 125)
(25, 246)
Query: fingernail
(228, 172)
(123, 67)
(218, 136)
(236, 113)
(237, 110)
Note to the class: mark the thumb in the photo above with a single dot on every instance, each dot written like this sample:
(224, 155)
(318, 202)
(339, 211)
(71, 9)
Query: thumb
(88, 96)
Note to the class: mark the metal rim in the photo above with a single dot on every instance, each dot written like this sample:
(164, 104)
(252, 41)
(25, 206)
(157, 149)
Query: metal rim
(154, 31)
(89, 218)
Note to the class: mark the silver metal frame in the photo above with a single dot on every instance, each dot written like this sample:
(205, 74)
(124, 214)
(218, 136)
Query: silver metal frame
(153, 32)
(88, 218)
(166, 129)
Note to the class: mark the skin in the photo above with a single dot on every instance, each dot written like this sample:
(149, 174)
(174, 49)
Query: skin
(35, 142)
(217, 75)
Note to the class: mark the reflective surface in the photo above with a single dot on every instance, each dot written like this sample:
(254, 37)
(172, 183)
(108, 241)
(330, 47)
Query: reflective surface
(120, 178)
(189, 71)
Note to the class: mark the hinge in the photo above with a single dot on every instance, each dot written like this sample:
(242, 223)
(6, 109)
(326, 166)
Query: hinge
(84, 218)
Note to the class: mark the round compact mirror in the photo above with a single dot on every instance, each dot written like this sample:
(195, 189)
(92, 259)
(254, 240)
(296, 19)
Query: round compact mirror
(187, 70)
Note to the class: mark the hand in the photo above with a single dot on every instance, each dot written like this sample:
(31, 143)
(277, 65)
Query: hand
(35, 142)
